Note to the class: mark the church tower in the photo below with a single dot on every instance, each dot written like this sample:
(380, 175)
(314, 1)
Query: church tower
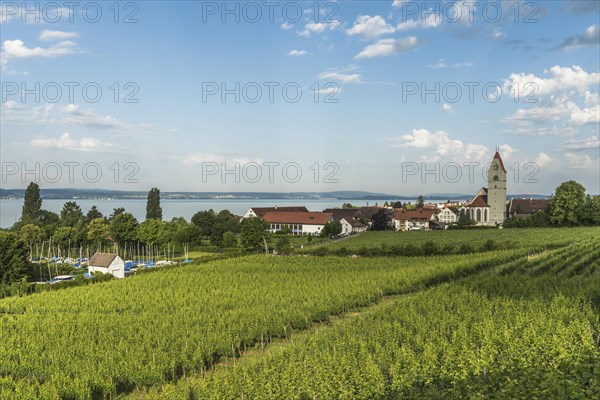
(496, 193)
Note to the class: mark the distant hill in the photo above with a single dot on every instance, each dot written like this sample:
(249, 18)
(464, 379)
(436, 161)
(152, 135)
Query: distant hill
(70, 194)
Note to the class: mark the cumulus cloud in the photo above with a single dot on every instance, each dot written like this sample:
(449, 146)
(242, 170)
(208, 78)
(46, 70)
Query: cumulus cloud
(544, 160)
(342, 77)
(388, 47)
(17, 49)
(559, 80)
(591, 37)
(370, 27)
(447, 107)
(440, 143)
(316, 28)
(286, 26)
(582, 161)
(427, 21)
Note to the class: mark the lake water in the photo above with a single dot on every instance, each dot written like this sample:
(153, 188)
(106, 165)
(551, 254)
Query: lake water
(10, 210)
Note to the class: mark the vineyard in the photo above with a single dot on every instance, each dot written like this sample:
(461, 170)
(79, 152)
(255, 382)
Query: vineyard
(495, 324)
(515, 335)
(450, 241)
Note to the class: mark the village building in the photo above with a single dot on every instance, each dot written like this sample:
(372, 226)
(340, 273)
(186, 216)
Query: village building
(261, 211)
(488, 207)
(300, 223)
(341, 213)
(407, 220)
(350, 225)
(449, 215)
(522, 208)
(107, 263)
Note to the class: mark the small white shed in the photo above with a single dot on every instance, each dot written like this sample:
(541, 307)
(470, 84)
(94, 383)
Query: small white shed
(107, 263)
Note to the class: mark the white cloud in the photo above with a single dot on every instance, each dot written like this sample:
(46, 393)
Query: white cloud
(426, 21)
(48, 35)
(297, 53)
(388, 47)
(316, 28)
(370, 27)
(507, 151)
(71, 115)
(544, 160)
(582, 161)
(447, 107)
(286, 26)
(12, 49)
(591, 143)
(442, 64)
(398, 3)
(65, 141)
(591, 37)
(498, 34)
(342, 77)
(561, 80)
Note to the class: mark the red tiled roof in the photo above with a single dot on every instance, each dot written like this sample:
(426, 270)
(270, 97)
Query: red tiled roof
(354, 223)
(305, 218)
(261, 211)
(401, 214)
(497, 156)
(479, 201)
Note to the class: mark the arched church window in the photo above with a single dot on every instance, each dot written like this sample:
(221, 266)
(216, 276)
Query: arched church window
(485, 215)
(478, 215)
(495, 177)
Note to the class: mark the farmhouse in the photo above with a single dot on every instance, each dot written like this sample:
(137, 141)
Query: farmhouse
(300, 223)
(107, 263)
(350, 225)
(521, 208)
(488, 207)
(261, 211)
(406, 220)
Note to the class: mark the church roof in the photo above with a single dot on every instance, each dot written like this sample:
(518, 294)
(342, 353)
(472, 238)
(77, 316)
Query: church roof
(497, 157)
(479, 201)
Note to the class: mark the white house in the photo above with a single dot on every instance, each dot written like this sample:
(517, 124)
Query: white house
(407, 220)
(107, 263)
(300, 223)
(448, 215)
(350, 225)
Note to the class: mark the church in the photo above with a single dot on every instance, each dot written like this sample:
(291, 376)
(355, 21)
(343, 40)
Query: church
(488, 207)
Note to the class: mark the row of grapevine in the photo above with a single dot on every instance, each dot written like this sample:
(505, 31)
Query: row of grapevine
(514, 335)
(101, 340)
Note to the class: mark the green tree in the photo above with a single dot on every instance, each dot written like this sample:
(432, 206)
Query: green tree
(49, 221)
(331, 228)
(153, 208)
(567, 204)
(97, 231)
(31, 234)
(205, 220)
(593, 210)
(397, 204)
(381, 220)
(420, 202)
(464, 219)
(13, 258)
(71, 215)
(282, 245)
(229, 239)
(254, 231)
(123, 228)
(32, 204)
(150, 231)
(66, 236)
(92, 214)
(116, 211)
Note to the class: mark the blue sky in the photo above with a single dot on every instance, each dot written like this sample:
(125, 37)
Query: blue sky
(373, 58)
